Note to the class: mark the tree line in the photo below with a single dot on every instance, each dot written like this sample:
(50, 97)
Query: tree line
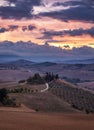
(38, 79)
(5, 100)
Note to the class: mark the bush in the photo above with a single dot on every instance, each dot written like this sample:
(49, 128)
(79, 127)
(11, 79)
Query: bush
(22, 81)
(5, 100)
(3, 94)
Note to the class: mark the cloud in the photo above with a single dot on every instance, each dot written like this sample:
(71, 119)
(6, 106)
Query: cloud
(49, 34)
(69, 3)
(55, 41)
(17, 9)
(24, 28)
(89, 2)
(77, 10)
(9, 28)
(79, 32)
(13, 27)
(66, 46)
(84, 50)
(81, 10)
(91, 44)
(45, 52)
(28, 28)
(2, 30)
(31, 27)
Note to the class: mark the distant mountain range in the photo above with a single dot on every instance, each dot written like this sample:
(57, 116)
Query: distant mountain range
(43, 65)
(10, 51)
(26, 64)
(20, 62)
(24, 68)
(83, 61)
(5, 57)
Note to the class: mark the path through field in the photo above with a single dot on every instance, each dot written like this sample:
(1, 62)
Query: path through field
(47, 87)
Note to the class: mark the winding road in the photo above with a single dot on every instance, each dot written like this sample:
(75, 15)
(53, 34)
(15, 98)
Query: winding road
(47, 87)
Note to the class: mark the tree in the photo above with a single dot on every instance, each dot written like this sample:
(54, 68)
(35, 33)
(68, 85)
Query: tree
(57, 77)
(21, 81)
(3, 94)
(50, 76)
(36, 79)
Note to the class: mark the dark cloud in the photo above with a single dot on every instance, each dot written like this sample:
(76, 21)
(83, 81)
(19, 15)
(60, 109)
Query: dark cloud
(9, 28)
(24, 2)
(53, 33)
(80, 10)
(39, 52)
(70, 3)
(28, 28)
(48, 34)
(21, 9)
(84, 50)
(66, 46)
(76, 32)
(89, 2)
(31, 27)
(13, 27)
(3, 30)
(24, 28)
(75, 3)
(11, 1)
(79, 32)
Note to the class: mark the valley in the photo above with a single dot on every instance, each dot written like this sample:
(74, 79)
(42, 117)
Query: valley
(63, 103)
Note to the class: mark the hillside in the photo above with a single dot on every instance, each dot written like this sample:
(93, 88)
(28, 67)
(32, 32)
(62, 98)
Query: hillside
(46, 110)
(63, 105)
(61, 96)
(35, 98)
(78, 98)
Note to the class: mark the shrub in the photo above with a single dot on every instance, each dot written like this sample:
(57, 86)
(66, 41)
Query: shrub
(22, 81)
(3, 94)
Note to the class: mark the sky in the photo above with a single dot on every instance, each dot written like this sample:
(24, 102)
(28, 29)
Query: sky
(61, 23)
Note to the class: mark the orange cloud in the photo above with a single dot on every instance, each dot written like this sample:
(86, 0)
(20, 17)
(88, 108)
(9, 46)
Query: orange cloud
(47, 24)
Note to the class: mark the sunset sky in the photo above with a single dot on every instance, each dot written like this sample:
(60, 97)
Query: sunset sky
(64, 23)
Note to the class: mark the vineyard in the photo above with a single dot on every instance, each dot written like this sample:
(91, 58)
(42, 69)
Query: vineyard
(77, 97)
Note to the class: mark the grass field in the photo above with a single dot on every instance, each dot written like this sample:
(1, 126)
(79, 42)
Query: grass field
(45, 121)
(42, 111)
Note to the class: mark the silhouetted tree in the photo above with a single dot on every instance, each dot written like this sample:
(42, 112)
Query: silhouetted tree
(36, 79)
(57, 76)
(50, 76)
(3, 94)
